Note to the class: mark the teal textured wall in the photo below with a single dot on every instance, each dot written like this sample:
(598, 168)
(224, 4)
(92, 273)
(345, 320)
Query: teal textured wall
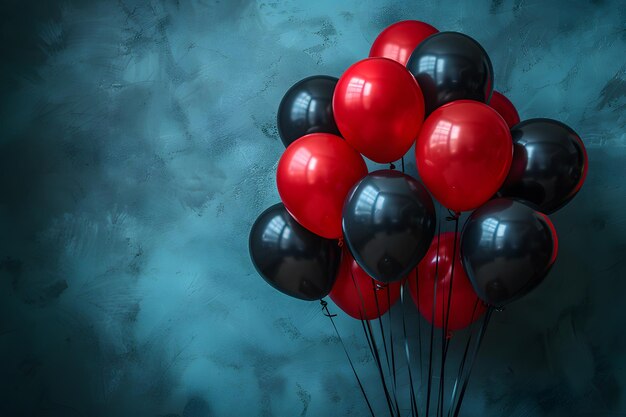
(137, 146)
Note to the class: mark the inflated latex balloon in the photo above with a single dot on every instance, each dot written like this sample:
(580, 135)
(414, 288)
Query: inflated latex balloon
(314, 175)
(388, 224)
(379, 108)
(451, 66)
(306, 108)
(399, 40)
(505, 108)
(290, 258)
(436, 273)
(507, 250)
(463, 154)
(549, 164)
(358, 294)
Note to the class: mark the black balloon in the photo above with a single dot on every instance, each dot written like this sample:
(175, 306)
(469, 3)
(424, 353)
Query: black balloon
(292, 259)
(507, 249)
(306, 108)
(388, 224)
(451, 66)
(549, 164)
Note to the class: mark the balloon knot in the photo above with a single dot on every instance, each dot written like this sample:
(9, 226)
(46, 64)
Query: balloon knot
(449, 335)
(453, 215)
(340, 242)
(392, 166)
(325, 309)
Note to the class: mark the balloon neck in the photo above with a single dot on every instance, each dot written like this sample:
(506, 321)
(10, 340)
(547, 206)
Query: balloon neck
(340, 242)
(325, 311)
(453, 215)
(392, 166)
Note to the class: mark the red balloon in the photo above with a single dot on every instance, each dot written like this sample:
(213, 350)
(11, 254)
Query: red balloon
(465, 307)
(357, 294)
(505, 108)
(379, 108)
(314, 176)
(464, 153)
(398, 41)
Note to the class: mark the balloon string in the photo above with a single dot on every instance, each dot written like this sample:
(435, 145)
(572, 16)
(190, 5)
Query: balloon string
(369, 336)
(463, 358)
(390, 365)
(358, 290)
(358, 380)
(432, 326)
(419, 323)
(379, 364)
(479, 340)
(380, 323)
(393, 356)
(414, 410)
(403, 164)
(445, 340)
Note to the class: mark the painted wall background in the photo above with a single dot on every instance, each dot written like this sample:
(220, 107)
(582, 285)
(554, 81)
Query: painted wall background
(137, 146)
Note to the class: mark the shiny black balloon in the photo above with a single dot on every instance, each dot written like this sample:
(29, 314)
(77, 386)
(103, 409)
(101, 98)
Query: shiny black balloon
(549, 164)
(507, 249)
(451, 66)
(292, 259)
(388, 224)
(306, 108)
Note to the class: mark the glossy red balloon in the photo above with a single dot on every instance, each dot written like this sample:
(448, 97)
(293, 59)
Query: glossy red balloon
(379, 108)
(398, 41)
(314, 176)
(505, 108)
(358, 294)
(463, 154)
(465, 307)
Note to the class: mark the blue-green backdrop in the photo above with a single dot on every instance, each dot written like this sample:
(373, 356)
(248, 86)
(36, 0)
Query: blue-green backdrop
(137, 146)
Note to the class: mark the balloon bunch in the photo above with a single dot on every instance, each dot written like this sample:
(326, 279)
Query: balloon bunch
(433, 90)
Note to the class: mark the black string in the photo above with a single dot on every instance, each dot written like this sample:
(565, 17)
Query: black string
(379, 365)
(445, 339)
(358, 380)
(380, 324)
(479, 341)
(363, 312)
(392, 370)
(464, 357)
(414, 410)
(369, 336)
(403, 164)
(432, 326)
(419, 323)
(393, 356)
